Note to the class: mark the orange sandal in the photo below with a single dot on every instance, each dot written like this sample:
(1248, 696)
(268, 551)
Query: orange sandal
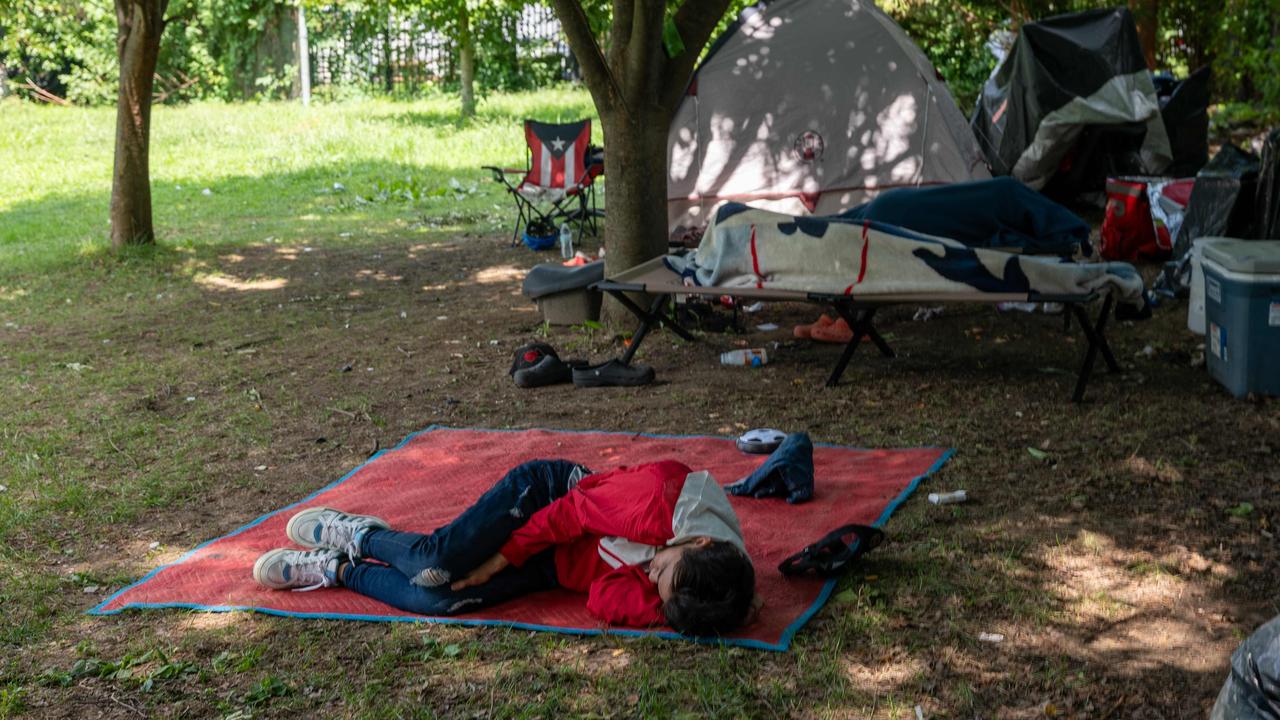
(836, 332)
(806, 331)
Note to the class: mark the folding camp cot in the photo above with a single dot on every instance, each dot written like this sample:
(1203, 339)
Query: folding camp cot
(657, 280)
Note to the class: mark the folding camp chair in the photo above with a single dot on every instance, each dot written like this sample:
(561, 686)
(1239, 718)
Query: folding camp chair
(558, 184)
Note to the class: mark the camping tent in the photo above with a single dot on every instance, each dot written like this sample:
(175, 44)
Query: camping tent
(812, 106)
(1067, 78)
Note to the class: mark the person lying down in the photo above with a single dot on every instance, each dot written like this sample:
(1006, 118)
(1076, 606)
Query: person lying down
(648, 544)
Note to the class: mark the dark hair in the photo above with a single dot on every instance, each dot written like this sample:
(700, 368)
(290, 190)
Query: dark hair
(712, 590)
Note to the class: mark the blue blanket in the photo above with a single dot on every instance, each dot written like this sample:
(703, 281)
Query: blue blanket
(1001, 213)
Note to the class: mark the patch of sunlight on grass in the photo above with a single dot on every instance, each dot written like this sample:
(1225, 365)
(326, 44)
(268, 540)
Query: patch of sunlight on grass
(499, 274)
(213, 621)
(218, 281)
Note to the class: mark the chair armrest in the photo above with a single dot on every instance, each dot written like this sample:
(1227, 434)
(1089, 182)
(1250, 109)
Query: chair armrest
(500, 175)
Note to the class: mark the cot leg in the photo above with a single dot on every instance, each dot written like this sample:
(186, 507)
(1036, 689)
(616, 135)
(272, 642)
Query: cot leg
(874, 336)
(1103, 346)
(1095, 335)
(648, 318)
(843, 362)
(860, 323)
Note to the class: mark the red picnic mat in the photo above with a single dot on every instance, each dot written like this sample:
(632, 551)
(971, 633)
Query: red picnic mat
(435, 474)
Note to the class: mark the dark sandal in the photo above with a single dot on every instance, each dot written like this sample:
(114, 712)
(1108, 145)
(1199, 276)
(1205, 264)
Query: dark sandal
(832, 555)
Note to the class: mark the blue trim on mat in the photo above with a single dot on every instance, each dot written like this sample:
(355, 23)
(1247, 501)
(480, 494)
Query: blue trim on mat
(784, 642)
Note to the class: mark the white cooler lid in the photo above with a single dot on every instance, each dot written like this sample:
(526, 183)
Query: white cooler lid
(1255, 257)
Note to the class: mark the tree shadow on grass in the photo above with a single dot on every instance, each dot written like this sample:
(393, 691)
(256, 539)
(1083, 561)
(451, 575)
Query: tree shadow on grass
(357, 202)
(550, 110)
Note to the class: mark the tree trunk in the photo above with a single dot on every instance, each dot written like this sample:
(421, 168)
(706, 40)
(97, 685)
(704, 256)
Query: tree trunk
(636, 90)
(1146, 15)
(1018, 15)
(635, 168)
(388, 68)
(467, 63)
(140, 25)
(304, 57)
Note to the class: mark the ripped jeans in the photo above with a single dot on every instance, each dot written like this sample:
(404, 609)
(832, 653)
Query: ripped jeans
(419, 567)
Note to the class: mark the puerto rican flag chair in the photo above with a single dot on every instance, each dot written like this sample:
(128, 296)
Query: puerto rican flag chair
(559, 183)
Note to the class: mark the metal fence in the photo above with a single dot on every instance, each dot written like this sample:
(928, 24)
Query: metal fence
(399, 52)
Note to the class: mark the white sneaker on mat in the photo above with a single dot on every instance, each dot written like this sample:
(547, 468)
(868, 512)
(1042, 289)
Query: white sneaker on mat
(322, 527)
(284, 569)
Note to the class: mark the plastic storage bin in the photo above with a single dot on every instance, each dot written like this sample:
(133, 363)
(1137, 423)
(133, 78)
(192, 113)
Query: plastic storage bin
(572, 307)
(1195, 303)
(1242, 314)
(563, 294)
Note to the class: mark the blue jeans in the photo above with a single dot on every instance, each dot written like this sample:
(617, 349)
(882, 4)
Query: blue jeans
(420, 567)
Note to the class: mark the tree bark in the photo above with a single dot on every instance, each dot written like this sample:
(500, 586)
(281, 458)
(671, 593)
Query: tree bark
(635, 166)
(1146, 15)
(140, 25)
(467, 62)
(388, 54)
(637, 88)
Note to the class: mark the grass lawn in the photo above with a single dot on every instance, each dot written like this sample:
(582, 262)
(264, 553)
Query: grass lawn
(154, 400)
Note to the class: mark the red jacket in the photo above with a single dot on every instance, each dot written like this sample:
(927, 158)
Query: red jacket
(634, 504)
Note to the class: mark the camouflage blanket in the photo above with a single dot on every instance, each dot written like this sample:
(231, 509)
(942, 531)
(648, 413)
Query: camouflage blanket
(745, 247)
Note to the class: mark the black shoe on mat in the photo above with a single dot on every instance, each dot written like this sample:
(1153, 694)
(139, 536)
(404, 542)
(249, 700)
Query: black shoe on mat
(611, 373)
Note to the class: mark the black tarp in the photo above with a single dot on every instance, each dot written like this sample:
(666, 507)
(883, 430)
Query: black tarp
(1186, 119)
(1222, 202)
(1053, 62)
(1267, 202)
(1252, 689)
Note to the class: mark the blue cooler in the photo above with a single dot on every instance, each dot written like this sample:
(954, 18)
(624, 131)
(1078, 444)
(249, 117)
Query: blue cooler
(1242, 314)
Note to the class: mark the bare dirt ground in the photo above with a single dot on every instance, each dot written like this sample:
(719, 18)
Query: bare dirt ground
(1108, 542)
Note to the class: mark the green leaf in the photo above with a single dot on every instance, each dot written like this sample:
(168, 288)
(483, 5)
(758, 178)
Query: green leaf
(845, 597)
(671, 40)
(1037, 453)
(1241, 510)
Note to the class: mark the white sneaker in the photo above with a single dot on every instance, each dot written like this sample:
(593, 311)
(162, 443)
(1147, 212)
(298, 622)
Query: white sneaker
(322, 527)
(282, 569)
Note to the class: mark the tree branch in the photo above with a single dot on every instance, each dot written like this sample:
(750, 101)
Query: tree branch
(595, 71)
(188, 13)
(694, 20)
(644, 56)
(620, 30)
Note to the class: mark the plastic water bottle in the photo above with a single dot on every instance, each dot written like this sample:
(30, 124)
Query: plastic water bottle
(566, 241)
(750, 357)
(947, 498)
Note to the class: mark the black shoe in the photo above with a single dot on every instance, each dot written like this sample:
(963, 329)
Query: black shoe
(611, 373)
(547, 371)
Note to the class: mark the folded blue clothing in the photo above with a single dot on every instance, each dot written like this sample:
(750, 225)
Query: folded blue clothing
(788, 471)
